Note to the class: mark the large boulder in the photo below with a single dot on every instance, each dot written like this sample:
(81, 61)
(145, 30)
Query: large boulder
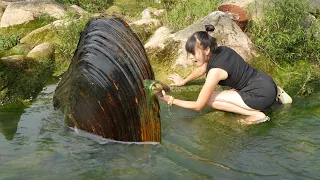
(21, 12)
(226, 32)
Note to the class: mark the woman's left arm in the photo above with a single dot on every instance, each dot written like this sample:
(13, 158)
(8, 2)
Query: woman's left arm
(213, 78)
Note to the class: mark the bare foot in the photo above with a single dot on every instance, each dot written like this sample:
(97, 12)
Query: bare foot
(255, 119)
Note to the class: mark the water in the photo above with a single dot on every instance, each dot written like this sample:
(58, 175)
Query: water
(35, 144)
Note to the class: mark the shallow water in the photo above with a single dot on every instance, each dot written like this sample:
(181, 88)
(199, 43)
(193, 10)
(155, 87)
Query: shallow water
(35, 144)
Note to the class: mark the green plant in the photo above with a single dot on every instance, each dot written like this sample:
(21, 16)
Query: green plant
(7, 42)
(133, 8)
(297, 78)
(89, 5)
(282, 34)
(183, 13)
(68, 36)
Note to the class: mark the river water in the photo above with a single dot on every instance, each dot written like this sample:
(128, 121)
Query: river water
(35, 144)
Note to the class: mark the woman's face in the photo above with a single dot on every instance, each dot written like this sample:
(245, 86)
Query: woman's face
(200, 57)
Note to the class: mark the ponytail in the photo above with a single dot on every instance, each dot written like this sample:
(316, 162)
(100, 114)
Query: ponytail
(209, 28)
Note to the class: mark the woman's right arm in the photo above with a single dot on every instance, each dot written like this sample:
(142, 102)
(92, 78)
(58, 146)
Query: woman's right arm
(179, 81)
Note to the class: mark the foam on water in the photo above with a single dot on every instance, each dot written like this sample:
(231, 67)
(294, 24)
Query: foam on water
(102, 140)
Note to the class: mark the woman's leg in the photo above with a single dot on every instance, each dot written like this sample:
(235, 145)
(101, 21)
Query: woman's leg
(231, 101)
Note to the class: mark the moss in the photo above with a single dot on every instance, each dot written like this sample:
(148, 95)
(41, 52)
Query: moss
(113, 10)
(19, 49)
(16, 106)
(11, 36)
(60, 67)
(24, 78)
(134, 8)
(40, 36)
(21, 30)
(162, 59)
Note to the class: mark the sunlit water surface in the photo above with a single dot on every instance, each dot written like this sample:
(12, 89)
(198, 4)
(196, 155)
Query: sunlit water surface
(35, 144)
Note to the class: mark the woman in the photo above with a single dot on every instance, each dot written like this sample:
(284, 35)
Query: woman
(253, 91)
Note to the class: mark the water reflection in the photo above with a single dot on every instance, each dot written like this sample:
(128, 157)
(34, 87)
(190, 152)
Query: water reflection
(8, 124)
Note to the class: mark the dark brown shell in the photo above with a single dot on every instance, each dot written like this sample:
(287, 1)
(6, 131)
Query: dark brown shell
(102, 92)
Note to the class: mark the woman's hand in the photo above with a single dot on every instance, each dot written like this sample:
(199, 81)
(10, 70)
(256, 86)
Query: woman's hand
(178, 81)
(164, 97)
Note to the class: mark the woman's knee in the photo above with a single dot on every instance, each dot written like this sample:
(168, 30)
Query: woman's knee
(213, 96)
(216, 105)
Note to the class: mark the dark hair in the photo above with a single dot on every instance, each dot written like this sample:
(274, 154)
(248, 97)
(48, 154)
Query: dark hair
(205, 40)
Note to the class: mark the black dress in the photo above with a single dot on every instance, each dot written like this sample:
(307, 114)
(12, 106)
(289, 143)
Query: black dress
(256, 88)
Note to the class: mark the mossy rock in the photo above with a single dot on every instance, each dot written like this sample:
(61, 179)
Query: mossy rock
(162, 61)
(12, 34)
(19, 49)
(22, 77)
(41, 35)
(42, 52)
(113, 10)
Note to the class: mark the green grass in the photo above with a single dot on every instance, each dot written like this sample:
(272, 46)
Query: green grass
(91, 6)
(67, 40)
(297, 78)
(184, 13)
(281, 33)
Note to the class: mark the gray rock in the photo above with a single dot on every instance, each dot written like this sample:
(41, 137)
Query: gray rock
(78, 9)
(21, 12)
(145, 28)
(152, 13)
(158, 38)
